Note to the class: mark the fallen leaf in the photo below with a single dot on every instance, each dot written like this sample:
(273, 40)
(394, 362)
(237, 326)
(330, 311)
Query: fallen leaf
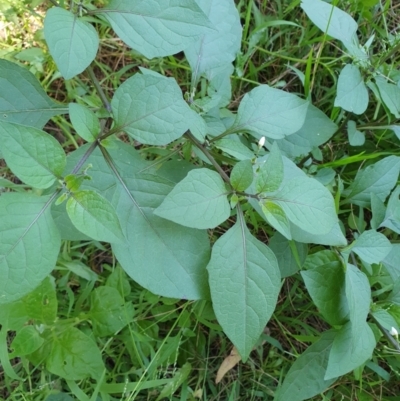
(229, 362)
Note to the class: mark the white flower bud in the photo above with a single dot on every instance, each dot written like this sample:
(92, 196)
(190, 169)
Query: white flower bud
(394, 332)
(261, 142)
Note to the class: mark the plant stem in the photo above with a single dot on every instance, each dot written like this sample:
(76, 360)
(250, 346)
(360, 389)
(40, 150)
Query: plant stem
(99, 89)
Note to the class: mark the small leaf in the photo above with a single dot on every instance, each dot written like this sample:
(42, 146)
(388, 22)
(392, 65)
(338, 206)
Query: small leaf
(154, 28)
(305, 378)
(245, 282)
(227, 364)
(34, 156)
(356, 138)
(73, 43)
(390, 94)
(371, 246)
(179, 378)
(269, 112)
(84, 121)
(234, 148)
(94, 216)
(352, 94)
(151, 109)
(392, 214)
(198, 201)
(74, 356)
(391, 262)
(270, 174)
(386, 319)
(23, 100)
(26, 341)
(242, 175)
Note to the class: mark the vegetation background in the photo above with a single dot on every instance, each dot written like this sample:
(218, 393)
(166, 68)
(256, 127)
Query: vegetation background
(172, 349)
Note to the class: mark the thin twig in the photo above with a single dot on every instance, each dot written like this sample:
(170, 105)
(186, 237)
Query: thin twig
(99, 89)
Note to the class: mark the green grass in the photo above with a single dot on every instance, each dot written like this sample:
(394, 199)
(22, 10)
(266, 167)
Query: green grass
(151, 354)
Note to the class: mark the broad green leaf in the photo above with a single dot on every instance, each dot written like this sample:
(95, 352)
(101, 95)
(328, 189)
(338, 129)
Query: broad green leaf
(270, 175)
(108, 312)
(386, 319)
(22, 99)
(151, 109)
(34, 156)
(276, 217)
(330, 19)
(371, 246)
(352, 347)
(390, 95)
(352, 94)
(166, 258)
(316, 130)
(326, 285)
(198, 201)
(378, 178)
(73, 43)
(29, 244)
(307, 204)
(84, 121)
(270, 112)
(155, 28)
(94, 216)
(74, 356)
(286, 259)
(391, 262)
(220, 46)
(242, 175)
(245, 282)
(234, 148)
(26, 341)
(356, 138)
(320, 258)
(305, 378)
(392, 216)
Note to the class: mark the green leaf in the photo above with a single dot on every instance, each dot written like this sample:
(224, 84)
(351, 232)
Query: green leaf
(276, 217)
(378, 178)
(94, 216)
(218, 47)
(371, 246)
(59, 397)
(73, 43)
(108, 312)
(378, 209)
(270, 174)
(316, 130)
(151, 109)
(307, 204)
(74, 356)
(234, 148)
(332, 20)
(154, 28)
(198, 201)
(351, 348)
(390, 95)
(392, 215)
(286, 259)
(179, 378)
(166, 258)
(34, 156)
(385, 319)
(352, 94)
(26, 341)
(326, 285)
(391, 262)
(270, 112)
(23, 100)
(245, 282)
(84, 121)
(25, 261)
(305, 378)
(356, 138)
(242, 175)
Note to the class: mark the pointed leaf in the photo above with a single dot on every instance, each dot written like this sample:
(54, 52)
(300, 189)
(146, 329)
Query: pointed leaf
(34, 156)
(372, 247)
(25, 261)
(26, 341)
(218, 47)
(151, 109)
(378, 178)
(352, 94)
(270, 174)
(198, 201)
(305, 378)
(84, 121)
(94, 216)
(22, 99)
(270, 112)
(392, 215)
(73, 43)
(245, 282)
(276, 217)
(155, 28)
(390, 94)
(242, 175)
(391, 262)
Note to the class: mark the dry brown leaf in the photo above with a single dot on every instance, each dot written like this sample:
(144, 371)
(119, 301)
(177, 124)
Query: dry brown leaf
(229, 362)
